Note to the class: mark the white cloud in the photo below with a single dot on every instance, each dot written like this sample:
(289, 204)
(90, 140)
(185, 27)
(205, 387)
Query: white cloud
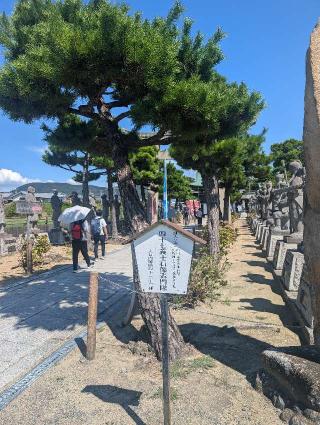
(37, 149)
(10, 179)
(71, 181)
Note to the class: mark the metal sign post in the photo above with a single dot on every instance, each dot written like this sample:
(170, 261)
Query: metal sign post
(29, 248)
(165, 191)
(165, 360)
(162, 256)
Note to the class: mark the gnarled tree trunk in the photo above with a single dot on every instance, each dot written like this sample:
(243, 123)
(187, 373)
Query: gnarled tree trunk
(85, 181)
(134, 211)
(211, 190)
(114, 227)
(136, 218)
(151, 314)
(226, 204)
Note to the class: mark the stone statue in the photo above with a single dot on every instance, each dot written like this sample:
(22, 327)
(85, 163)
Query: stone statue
(92, 201)
(75, 200)
(264, 200)
(280, 182)
(56, 204)
(279, 200)
(2, 216)
(31, 198)
(105, 207)
(295, 200)
(261, 194)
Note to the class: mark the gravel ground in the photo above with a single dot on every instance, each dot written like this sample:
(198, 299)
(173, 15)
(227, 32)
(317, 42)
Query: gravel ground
(213, 385)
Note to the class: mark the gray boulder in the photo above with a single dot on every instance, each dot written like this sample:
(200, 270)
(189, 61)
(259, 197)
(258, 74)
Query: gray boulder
(297, 372)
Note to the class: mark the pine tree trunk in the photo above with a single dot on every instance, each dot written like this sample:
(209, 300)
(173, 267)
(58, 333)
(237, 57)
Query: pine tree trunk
(135, 216)
(114, 227)
(151, 314)
(143, 196)
(211, 190)
(226, 204)
(85, 182)
(134, 211)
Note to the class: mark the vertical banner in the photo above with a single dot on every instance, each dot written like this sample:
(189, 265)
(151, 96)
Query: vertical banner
(165, 192)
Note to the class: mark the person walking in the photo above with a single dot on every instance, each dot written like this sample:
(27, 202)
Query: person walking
(79, 231)
(199, 215)
(99, 233)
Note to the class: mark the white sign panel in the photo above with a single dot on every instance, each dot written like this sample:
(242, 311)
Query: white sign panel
(164, 260)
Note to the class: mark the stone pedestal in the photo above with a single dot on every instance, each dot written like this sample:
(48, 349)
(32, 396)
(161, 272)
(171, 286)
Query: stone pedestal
(292, 270)
(8, 244)
(304, 300)
(264, 240)
(254, 225)
(280, 253)
(259, 224)
(271, 244)
(260, 233)
(56, 237)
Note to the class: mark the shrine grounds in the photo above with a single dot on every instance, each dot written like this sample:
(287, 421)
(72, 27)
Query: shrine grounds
(213, 384)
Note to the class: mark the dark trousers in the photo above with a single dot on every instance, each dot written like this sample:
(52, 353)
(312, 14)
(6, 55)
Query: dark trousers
(102, 240)
(78, 246)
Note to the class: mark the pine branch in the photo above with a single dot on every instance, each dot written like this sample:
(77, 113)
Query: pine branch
(122, 116)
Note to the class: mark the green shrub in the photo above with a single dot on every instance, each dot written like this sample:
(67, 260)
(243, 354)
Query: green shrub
(40, 246)
(228, 236)
(208, 271)
(10, 210)
(207, 277)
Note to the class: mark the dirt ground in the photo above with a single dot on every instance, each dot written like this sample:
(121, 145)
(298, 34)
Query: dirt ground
(10, 269)
(213, 385)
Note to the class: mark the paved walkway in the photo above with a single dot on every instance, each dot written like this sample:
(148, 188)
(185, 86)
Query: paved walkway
(38, 316)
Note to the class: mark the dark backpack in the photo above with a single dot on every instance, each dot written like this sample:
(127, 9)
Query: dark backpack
(96, 227)
(76, 231)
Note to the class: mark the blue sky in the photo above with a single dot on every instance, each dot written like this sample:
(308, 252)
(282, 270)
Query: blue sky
(265, 47)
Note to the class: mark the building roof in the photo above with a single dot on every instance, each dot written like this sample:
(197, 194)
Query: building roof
(197, 181)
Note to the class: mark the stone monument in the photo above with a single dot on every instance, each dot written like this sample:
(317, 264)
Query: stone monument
(92, 201)
(2, 216)
(295, 200)
(75, 200)
(311, 213)
(56, 235)
(105, 207)
(32, 218)
(7, 242)
(280, 216)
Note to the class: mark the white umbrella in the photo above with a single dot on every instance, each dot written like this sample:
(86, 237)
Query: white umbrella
(76, 213)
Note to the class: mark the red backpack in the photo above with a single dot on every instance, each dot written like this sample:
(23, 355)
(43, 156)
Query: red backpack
(76, 231)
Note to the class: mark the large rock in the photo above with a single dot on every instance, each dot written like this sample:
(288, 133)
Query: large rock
(297, 371)
(311, 138)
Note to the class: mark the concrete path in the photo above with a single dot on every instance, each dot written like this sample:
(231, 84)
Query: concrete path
(38, 316)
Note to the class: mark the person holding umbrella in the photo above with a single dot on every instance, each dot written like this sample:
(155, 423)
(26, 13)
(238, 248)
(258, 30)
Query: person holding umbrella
(75, 219)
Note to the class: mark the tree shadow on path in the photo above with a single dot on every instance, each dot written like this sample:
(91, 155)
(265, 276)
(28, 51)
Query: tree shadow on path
(226, 345)
(116, 395)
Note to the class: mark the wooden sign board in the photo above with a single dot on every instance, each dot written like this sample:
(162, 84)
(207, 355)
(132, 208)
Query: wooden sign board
(163, 256)
(28, 208)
